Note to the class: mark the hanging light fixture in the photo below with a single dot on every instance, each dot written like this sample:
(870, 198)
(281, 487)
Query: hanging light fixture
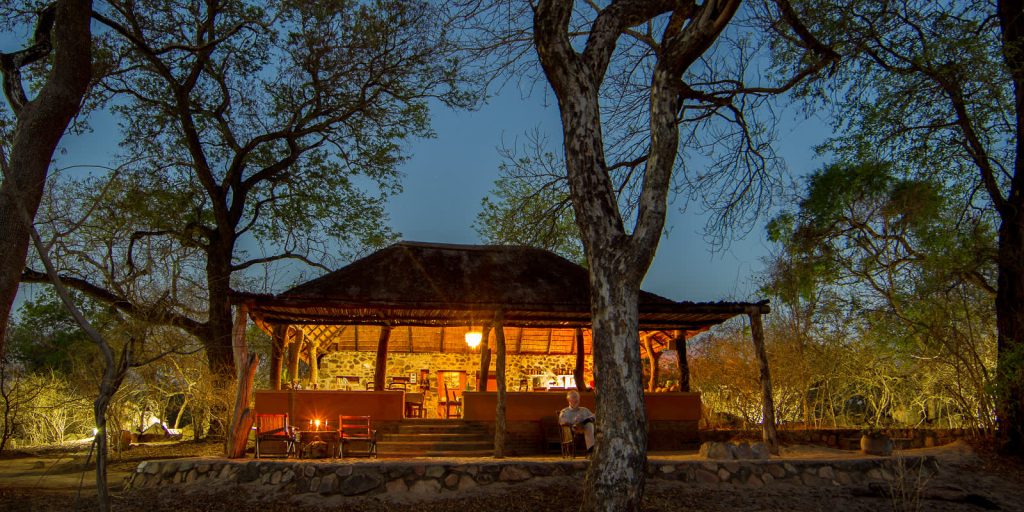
(473, 338)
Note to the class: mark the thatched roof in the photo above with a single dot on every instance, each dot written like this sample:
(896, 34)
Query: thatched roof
(442, 285)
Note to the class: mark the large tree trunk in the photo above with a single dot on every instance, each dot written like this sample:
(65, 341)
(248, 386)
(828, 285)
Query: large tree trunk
(1010, 327)
(1010, 289)
(40, 125)
(619, 258)
(616, 478)
(217, 340)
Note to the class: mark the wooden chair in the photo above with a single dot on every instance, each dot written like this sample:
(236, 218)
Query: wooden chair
(356, 430)
(273, 430)
(369, 386)
(450, 400)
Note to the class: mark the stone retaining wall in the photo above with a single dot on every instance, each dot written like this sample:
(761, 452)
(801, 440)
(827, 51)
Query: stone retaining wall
(905, 438)
(365, 478)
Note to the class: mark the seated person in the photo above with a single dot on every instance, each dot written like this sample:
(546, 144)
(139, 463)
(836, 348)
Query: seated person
(579, 418)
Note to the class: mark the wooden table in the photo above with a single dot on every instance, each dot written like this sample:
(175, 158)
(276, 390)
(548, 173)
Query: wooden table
(307, 437)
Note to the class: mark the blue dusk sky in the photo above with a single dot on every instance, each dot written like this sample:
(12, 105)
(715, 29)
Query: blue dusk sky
(447, 176)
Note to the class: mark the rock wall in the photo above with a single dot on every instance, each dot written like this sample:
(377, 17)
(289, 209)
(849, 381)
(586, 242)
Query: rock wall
(361, 364)
(364, 478)
(849, 438)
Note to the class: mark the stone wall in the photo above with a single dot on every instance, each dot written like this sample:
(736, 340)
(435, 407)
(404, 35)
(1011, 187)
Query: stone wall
(849, 438)
(361, 364)
(289, 478)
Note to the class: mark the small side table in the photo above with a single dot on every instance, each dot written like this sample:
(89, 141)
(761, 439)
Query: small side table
(307, 437)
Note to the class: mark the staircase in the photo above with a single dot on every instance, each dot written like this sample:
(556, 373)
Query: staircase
(436, 438)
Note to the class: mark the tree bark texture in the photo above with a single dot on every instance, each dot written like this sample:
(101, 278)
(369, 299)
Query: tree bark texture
(768, 432)
(40, 125)
(242, 415)
(242, 418)
(380, 370)
(619, 258)
(1010, 290)
(217, 338)
(500, 425)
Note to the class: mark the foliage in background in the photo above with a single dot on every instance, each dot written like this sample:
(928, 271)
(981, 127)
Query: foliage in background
(882, 308)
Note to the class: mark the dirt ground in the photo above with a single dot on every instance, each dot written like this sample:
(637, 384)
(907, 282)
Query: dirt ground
(969, 479)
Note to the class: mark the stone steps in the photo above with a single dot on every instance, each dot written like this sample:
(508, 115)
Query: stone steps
(431, 437)
(436, 438)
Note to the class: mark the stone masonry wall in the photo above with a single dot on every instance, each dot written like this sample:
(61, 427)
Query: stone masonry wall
(364, 478)
(361, 364)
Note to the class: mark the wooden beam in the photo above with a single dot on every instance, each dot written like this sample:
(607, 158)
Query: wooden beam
(519, 341)
(485, 359)
(549, 340)
(499, 412)
(768, 432)
(380, 371)
(578, 371)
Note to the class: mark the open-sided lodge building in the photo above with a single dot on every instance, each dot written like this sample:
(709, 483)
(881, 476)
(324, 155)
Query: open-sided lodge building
(387, 336)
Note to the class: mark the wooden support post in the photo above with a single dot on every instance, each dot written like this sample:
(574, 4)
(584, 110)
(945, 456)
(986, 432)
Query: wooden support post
(577, 372)
(381, 369)
(294, 335)
(242, 416)
(768, 432)
(652, 359)
(678, 343)
(499, 370)
(485, 359)
(277, 343)
(314, 364)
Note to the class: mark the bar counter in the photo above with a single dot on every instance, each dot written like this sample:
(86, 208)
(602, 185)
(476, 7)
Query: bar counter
(531, 406)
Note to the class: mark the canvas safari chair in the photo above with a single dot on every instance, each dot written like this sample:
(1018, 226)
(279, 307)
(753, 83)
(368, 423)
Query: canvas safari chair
(356, 431)
(273, 435)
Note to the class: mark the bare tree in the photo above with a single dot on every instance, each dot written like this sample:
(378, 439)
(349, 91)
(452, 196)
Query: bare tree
(633, 79)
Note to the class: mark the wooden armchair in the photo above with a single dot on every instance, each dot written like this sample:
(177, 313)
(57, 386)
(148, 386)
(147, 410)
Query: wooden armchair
(273, 431)
(355, 430)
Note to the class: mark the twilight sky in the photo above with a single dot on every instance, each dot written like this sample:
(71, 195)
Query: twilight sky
(447, 176)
